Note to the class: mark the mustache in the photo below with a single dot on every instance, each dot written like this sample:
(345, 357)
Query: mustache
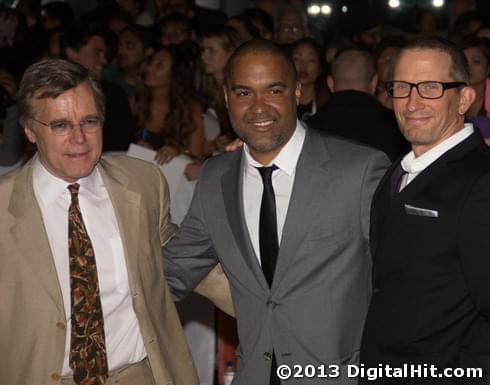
(259, 118)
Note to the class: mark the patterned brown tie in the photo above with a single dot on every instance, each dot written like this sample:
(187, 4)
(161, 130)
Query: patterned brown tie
(88, 357)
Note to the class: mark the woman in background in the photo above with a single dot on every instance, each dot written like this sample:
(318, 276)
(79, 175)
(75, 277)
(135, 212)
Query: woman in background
(216, 47)
(168, 115)
(308, 60)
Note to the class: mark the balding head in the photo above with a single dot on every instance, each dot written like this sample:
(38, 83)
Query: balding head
(260, 47)
(353, 69)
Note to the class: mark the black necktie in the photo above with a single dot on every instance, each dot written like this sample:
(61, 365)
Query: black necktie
(269, 244)
(396, 180)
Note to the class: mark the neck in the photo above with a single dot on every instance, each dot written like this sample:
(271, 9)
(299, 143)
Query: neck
(160, 93)
(219, 77)
(131, 76)
(307, 94)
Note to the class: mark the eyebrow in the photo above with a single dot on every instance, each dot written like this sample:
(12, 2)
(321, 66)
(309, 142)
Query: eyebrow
(64, 120)
(271, 85)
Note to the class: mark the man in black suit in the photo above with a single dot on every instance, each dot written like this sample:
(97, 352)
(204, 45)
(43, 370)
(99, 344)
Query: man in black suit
(86, 45)
(429, 229)
(353, 111)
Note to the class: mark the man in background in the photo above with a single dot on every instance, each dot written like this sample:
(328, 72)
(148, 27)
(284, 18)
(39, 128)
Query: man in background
(352, 111)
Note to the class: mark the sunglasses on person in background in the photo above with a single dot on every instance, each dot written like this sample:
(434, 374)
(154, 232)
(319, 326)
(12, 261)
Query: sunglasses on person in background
(64, 127)
(428, 90)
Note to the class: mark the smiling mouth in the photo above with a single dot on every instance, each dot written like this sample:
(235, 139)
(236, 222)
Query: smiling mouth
(80, 155)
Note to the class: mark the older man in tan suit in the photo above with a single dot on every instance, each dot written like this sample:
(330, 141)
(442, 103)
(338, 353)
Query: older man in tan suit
(83, 296)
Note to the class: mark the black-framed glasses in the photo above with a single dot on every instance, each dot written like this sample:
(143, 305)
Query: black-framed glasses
(65, 127)
(398, 89)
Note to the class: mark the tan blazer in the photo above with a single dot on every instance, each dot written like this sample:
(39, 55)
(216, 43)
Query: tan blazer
(32, 317)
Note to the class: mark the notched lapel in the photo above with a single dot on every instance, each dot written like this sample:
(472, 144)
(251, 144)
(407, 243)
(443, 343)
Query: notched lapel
(231, 185)
(31, 238)
(309, 181)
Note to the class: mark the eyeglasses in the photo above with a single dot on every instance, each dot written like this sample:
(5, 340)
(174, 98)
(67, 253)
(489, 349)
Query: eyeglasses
(289, 28)
(63, 127)
(428, 90)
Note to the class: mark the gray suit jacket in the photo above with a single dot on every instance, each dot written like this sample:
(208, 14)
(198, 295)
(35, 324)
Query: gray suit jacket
(315, 309)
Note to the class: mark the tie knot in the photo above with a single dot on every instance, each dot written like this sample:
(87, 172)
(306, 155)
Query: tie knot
(266, 172)
(73, 188)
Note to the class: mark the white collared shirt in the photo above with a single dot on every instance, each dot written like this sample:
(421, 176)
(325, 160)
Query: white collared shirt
(282, 181)
(124, 342)
(413, 166)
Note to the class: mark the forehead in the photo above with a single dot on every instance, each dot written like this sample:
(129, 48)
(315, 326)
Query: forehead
(305, 49)
(95, 41)
(423, 64)
(290, 17)
(79, 99)
(259, 68)
(128, 36)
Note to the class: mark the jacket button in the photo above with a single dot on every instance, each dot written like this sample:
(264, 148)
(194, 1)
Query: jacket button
(55, 377)
(267, 356)
(60, 325)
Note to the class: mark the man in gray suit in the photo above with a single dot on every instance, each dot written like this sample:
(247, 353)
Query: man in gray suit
(287, 218)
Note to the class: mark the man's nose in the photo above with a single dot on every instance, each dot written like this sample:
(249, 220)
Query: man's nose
(258, 103)
(414, 100)
(77, 135)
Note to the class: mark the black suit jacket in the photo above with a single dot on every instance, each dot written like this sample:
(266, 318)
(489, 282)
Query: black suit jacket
(119, 129)
(359, 116)
(431, 274)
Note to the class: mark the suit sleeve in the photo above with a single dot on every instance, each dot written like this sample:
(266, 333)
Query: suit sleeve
(373, 172)
(191, 262)
(474, 249)
(166, 227)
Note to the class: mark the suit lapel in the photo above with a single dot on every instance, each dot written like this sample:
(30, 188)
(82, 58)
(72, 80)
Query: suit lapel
(30, 235)
(231, 185)
(304, 201)
(126, 205)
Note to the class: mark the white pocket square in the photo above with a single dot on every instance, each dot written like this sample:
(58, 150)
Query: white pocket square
(412, 210)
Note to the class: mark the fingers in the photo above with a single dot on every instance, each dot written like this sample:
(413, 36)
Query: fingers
(165, 154)
(233, 146)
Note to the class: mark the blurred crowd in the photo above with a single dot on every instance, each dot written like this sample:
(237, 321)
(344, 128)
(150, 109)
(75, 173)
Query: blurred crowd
(161, 68)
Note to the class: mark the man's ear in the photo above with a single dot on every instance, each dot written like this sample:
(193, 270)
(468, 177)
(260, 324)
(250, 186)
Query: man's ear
(71, 54)
(373, 84)
(225, 93)
(466, 99)
(330, 84)
(297, 92)
(30, 134)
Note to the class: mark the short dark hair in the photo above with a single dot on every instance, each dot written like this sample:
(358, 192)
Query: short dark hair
(459, 70)
(142, 33)
(260, 46)
(78, 36)
(49, 78)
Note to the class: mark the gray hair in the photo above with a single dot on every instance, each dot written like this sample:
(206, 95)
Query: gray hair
(49, 78)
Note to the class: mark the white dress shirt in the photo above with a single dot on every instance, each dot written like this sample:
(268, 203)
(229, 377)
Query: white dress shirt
(413, 166)
(282, 181)
(124, 342)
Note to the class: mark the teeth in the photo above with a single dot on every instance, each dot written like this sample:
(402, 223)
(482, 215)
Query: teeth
(263, 124)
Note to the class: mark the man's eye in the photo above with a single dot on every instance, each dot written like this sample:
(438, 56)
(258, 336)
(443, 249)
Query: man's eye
(61, 126)
(242, 93)
(90, 122)
(276, 91)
